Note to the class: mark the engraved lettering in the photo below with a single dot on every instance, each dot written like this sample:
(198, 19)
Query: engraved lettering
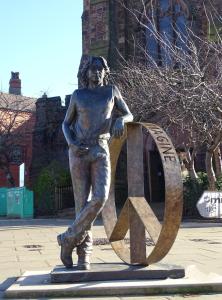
(170, 158)
(168, 151)
(154, 128)
(162, 139)
(164, 145)
(156, 131)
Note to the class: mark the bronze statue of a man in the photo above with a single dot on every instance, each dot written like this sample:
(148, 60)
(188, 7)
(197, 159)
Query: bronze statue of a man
(87, 131)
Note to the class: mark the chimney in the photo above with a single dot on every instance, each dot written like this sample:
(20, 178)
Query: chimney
(15, 84)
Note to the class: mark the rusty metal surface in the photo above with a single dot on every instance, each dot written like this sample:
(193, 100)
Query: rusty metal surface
(135, 188)
(122, 224)
(137, 238)
(135, 160)
(147, 216)
(138, 208)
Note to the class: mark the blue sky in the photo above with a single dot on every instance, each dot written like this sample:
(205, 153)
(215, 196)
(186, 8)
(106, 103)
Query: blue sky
(42, 40)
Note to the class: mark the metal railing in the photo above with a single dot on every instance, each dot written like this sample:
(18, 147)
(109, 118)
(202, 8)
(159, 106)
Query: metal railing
(64, 197)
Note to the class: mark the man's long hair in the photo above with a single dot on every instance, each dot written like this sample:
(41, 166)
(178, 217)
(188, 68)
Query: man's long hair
(85, 63)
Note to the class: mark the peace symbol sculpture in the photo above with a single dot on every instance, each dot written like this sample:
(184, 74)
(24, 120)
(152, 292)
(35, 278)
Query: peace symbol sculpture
(136, 214)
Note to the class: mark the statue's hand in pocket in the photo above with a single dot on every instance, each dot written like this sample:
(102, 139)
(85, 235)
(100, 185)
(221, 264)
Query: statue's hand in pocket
(79, 150)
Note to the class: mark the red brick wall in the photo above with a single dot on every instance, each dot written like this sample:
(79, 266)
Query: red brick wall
(27, 143)
(14, 169)
(26, 130)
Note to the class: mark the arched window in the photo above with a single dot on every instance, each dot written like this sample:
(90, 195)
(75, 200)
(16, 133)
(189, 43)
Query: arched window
(166, 26)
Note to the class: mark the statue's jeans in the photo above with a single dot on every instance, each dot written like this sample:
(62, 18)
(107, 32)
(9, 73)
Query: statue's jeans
(91, 182)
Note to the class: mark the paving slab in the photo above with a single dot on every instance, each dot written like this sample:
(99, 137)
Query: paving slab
(37, 284)
(166, 297)
(196, 243)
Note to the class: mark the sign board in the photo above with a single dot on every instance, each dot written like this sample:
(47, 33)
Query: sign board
(22, 175)
(210, 205)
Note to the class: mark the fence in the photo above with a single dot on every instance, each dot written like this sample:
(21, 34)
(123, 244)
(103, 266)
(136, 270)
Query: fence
(64, 197)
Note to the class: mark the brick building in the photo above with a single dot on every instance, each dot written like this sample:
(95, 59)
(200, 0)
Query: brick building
(17, 119)
(36, 137)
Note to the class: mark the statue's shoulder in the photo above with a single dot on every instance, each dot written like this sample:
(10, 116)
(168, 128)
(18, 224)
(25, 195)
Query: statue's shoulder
(78, 93)
(110, 87)
(115, 90)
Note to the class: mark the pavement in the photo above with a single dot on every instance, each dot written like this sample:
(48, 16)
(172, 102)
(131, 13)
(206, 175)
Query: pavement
(30, 245)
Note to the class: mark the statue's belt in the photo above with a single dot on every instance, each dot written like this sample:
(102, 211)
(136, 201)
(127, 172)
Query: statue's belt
(93, 142)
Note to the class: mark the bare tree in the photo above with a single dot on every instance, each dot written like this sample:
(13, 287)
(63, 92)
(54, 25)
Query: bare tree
(182, 91)
(15, 113)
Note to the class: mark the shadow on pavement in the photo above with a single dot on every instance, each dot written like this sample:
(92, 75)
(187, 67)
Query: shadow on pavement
(6, 284)
(32, 223)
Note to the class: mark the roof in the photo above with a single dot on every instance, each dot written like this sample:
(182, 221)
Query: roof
(17, 102)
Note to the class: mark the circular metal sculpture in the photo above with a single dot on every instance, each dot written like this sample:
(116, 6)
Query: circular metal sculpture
(136, 215)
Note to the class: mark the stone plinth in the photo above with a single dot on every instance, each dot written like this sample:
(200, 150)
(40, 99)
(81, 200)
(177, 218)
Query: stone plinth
(106, 272)
(38, 284)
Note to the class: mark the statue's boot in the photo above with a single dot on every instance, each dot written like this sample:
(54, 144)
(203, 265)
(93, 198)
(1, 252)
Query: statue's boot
(68, 241)
(83, 262)
(77, 232)
(66, 252)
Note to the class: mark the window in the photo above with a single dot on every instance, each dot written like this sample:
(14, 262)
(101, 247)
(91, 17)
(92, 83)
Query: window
(215, 30)
(166, 19)
(17, 154)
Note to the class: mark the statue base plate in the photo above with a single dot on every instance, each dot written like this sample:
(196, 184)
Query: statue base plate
(37, 284)
(114, 271)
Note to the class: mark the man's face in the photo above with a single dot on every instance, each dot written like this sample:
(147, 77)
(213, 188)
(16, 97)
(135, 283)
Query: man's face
(96, 72)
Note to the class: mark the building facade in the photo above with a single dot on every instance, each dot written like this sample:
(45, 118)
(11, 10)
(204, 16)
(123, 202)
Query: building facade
(122, 29)
(113, 28)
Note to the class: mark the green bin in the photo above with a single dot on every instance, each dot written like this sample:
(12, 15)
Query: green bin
(19, 203)
(3, 201)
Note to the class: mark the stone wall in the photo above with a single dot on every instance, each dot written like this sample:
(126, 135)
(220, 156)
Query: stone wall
(48, 141)
(95, 26)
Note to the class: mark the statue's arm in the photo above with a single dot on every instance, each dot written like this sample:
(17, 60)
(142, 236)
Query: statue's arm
(69, 119)
(126, 115)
